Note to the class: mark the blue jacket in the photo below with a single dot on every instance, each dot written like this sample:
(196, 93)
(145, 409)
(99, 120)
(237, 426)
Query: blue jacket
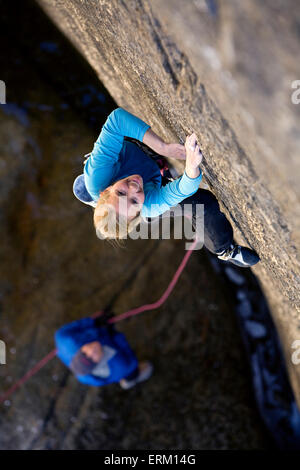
(113, 158)
(72, 336)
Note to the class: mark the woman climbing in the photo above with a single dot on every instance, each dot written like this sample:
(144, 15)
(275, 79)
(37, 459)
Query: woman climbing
(122, 183)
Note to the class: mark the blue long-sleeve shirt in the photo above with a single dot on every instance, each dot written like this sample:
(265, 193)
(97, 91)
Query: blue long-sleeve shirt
(113, 158)
(71, 337)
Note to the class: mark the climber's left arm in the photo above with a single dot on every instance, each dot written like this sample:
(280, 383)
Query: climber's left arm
(122, 123)
(100, 166)
(162, 148)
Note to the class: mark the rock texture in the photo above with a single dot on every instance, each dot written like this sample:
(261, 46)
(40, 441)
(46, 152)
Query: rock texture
(223, 70)
(55, 270)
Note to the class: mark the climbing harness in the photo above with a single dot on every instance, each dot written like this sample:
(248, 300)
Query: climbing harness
(161, 161)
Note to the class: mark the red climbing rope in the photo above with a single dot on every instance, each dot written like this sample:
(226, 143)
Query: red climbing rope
(165, 295)
(129, 313)
(27, 376)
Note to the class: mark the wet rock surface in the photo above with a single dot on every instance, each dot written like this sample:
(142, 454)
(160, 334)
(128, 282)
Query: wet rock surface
(225, 71)
(55, 270)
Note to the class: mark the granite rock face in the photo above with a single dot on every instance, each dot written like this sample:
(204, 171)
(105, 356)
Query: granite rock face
(224, 70)
(54, 270)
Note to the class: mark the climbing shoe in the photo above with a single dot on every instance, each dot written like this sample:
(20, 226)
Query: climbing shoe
(239, 255)
(145, 372)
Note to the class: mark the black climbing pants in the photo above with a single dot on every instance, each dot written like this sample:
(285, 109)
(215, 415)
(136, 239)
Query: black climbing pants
(218, 234)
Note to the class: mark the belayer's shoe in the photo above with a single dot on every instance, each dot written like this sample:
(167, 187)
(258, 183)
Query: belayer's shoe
(239, 255)
(145, 372)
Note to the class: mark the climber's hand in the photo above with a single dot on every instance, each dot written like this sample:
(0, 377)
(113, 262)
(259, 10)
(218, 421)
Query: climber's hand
(193, 156)
(175, 151)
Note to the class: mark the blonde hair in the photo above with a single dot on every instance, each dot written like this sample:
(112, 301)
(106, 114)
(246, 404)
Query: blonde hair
(108, 224)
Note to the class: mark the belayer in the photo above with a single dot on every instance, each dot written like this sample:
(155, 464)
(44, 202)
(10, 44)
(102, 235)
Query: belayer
(119, 170)
(98, 354)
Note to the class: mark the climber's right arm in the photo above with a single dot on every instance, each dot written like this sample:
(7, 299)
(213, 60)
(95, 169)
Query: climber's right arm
(159, 200)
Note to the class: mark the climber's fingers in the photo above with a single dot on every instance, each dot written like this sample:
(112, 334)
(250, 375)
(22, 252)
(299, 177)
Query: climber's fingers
(191, 140)
(193, 153)
(191, 144)
(199, 154)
